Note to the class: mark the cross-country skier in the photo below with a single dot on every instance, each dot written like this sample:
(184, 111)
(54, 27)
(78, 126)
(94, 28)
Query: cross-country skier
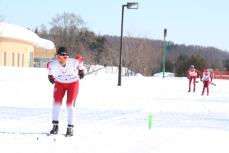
(64, 73)
(207, 78)
(192, 74)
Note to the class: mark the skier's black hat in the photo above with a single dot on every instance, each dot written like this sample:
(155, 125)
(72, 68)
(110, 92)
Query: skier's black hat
(62, 51)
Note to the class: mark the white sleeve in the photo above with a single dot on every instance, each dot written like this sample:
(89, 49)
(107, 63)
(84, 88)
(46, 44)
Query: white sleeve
(79, 64)
(50, 67)
(81, 67)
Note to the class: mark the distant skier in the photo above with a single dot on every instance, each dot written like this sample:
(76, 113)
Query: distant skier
(64, 73)
(207, 78)
(192, 74)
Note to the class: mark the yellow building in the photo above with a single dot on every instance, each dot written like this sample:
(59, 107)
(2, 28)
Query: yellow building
(23, 48)
(42, 56)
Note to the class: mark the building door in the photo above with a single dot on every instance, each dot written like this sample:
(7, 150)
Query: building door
(31, 59)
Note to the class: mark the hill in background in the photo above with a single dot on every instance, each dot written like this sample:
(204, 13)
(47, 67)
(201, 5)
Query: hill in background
(141, 55)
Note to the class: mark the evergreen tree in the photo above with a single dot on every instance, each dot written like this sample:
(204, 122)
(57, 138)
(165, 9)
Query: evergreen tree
(184, 62)
(226, 64)
(181, 65)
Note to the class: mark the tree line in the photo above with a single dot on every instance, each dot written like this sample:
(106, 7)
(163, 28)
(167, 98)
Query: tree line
(140, 55)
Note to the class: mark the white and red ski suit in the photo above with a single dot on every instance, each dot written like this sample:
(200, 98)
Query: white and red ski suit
(66, 80)
(192, 74)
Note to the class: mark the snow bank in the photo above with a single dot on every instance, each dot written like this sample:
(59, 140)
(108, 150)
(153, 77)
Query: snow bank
(167, 74)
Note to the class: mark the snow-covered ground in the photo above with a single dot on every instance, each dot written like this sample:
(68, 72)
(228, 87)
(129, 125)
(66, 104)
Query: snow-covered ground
(113, 119)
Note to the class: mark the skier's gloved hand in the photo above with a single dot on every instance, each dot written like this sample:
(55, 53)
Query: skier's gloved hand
(81, 74)
(51, 79)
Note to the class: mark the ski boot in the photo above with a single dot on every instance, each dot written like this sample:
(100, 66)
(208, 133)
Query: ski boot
(69, 132)
(55, 128)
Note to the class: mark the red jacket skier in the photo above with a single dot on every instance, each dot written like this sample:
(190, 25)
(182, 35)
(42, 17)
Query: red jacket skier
(64, 73)
(207, 78)
(192, 74)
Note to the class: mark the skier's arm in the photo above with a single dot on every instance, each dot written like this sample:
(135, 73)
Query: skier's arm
(50, 72)
(81, 70)
(198, 73)
(79, 65)
(211, 76)
(201, 76)
(187, 73)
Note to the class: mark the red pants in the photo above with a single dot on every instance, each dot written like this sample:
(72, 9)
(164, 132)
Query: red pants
(61, 88)
(206, 85)
(194, 83)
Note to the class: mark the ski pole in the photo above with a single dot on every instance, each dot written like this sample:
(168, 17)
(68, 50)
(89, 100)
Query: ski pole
(89, 74)
(96, 70)
(213, 84)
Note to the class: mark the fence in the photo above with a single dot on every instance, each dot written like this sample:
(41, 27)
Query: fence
(221, 75)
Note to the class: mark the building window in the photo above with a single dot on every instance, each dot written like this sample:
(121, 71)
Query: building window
(22, 60)
(12, 59)
(4, 58)
(18, 59)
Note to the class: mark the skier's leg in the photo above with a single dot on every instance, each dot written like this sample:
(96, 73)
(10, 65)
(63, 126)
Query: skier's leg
(70, 110)
(58, 95)
(203, 91)
(55, 118)
(70, 126)
(203, 88)
(55, 112)
(72, 93)
(194, 84)
(207, 89)
(59, 91)
(70, 121)
(55, 128)
(189, 85)
(69, 131)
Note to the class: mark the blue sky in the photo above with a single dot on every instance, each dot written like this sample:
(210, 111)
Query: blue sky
(199, 22)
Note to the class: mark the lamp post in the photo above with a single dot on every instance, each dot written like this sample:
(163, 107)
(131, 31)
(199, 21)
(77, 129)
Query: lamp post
(164, 52)
(129, 5)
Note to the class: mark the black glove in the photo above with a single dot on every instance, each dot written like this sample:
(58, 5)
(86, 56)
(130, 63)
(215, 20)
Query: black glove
(81, 74)
(51, 79)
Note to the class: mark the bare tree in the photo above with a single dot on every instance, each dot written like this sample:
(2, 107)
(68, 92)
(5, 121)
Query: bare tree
(65, 30)
(139, 55)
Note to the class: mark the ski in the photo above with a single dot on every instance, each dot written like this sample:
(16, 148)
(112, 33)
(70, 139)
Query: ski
(56, 135)
(53, 137)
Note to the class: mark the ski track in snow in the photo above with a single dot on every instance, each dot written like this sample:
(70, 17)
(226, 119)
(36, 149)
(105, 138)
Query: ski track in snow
(134, 118)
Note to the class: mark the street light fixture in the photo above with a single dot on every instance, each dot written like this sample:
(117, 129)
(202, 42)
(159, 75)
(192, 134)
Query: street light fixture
(132, 5)
(129, 5)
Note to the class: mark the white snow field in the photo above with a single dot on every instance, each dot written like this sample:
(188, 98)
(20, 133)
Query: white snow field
(113, 119)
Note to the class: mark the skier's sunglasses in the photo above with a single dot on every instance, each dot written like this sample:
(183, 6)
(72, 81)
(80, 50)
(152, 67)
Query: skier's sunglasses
(62, 57)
